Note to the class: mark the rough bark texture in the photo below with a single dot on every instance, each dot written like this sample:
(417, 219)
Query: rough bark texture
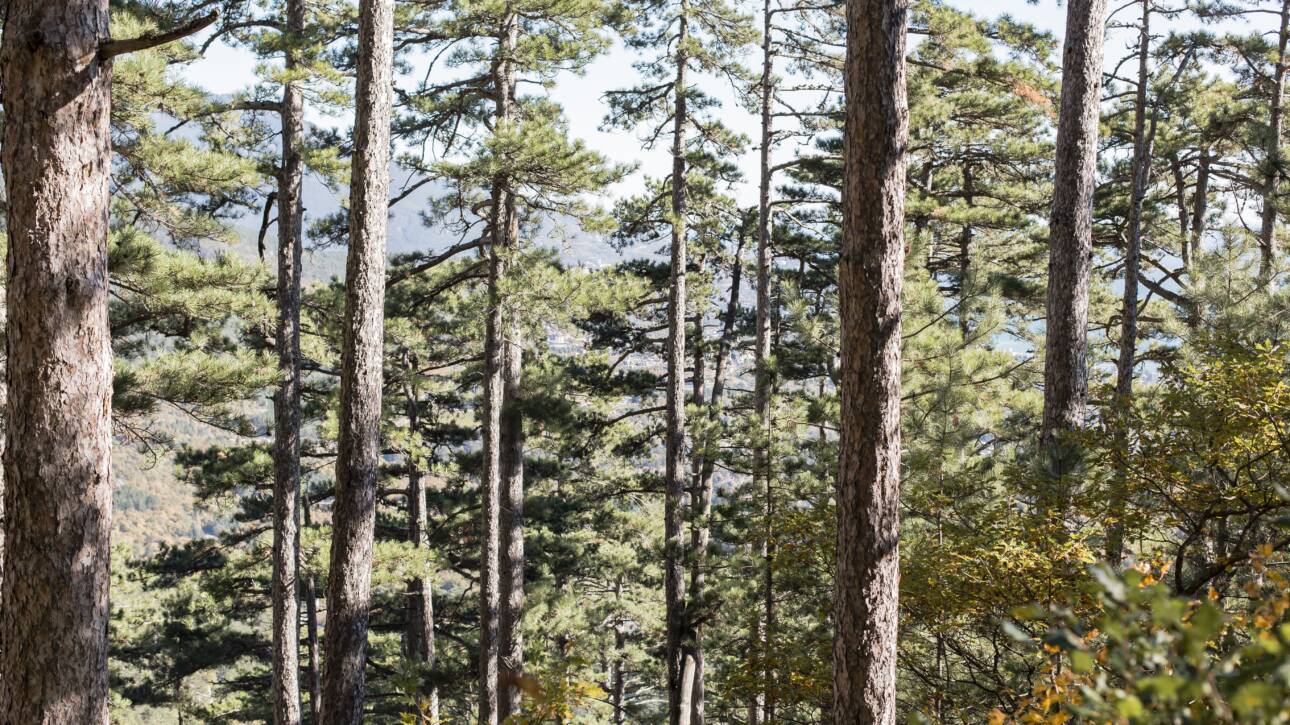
(498, 443)
(1275, 162)
(310, 595)
(286, 407)
(358, 454)
(1071, 233)
(57, 462)
(674, 469)
(418, 636)
(869, 279)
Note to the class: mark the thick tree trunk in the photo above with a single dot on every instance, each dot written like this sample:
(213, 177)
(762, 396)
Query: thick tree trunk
(349, 590)
(1071, 238)
(1275, 162)
(418, 636)
(675, 473)
(56, 158)
(869, 279)
(499, 442)
(286, 404)
(1140, 172)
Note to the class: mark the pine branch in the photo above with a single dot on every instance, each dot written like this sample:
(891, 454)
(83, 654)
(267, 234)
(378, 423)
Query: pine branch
(113, 48)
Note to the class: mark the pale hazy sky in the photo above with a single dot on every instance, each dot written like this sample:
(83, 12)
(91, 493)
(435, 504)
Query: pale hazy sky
(226, 70)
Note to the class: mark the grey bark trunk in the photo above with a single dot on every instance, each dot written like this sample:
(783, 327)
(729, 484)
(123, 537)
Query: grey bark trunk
(499, 466)
(1268, 228)
(286, 408)
(57, 492)
(675, 469)
(869, 278)
(349, 589)
(511, 640)
(1071, 239)
(1200, 203)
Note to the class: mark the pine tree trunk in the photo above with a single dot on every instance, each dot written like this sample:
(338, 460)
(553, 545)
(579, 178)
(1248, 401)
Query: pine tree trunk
(499, 466)
(1199, 203)
(286, 408)
(675, 473)
(763, 380)
(310, 595)
(349, 590)
(1275, 162)
(1140, 172)
(56, 158)
(1071, 238)
(418, 636)
(705, 467)
(869, 278)
(511, 640)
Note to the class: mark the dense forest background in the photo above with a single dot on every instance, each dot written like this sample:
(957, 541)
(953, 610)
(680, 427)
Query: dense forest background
(1131, 569)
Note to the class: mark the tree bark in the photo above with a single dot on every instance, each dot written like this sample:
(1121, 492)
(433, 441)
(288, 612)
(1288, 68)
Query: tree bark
(1199, 203)
(1275, 162)
(286, 408)
(675, 473)
(56, 159)
(495, 692)
(349, 590)
(869, 278)
(1071, 239)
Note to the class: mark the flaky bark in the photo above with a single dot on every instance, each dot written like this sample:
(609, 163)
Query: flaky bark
(286, 407)
(674, 469)
(56, 158)
(869, 279)
(358, 454)
(1071, 234)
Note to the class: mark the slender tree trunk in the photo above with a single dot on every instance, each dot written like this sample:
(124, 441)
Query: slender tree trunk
(1200, 203)
(1275, 162)
(499, 438)
(1071, 240)
(675, 473)
(510, 636)
(310, 595)
(286, 408)
(705, 467)
(349, 590)
(1141, 171)
(965, 256)
(56, 158)
(763, 378)
(869, 278)
(418, 636)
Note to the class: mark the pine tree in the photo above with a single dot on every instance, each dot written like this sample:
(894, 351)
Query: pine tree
(358, 450)
(869, 286)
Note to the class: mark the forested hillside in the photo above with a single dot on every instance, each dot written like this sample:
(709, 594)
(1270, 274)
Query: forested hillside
(892, 361)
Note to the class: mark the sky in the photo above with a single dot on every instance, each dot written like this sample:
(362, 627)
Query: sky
(226, 70)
